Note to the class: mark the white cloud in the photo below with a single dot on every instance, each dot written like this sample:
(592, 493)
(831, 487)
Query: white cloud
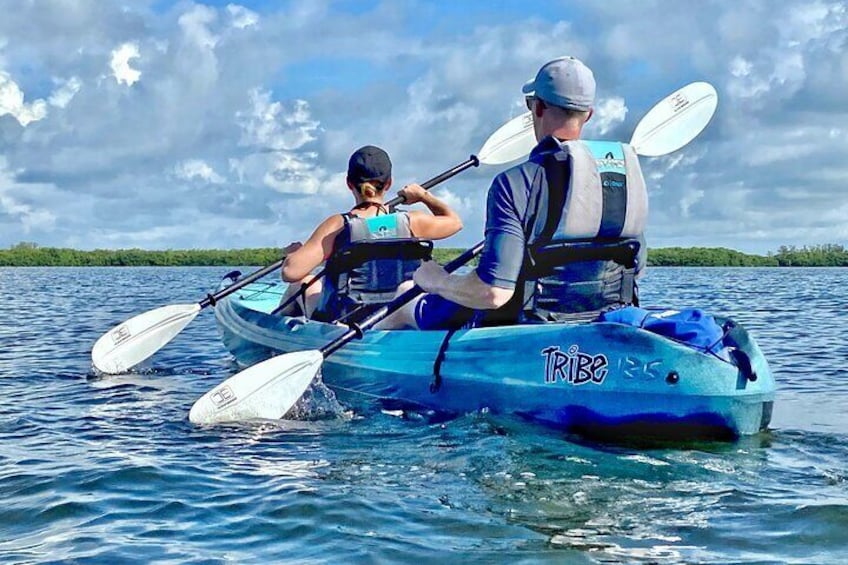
(813, 20)
(745, 82)
(12, 102)
(771, 153)
(657, 169)
(789, 71)
(66, 91)
(195, 25)
(241, 17)
(29, 216)
(120, 64)
(429, 107)
(269, 126)
(609, 112)
(740, 67)
(277, 134)
(463, 203)
(690, 197)
(192, 169)
(237, 166)
(293, 174)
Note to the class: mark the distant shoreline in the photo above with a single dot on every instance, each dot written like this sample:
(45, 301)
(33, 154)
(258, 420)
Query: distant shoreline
(31, 255)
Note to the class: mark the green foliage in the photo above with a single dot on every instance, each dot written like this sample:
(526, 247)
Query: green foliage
(828, 255)
(27, 254)
(444, 254)
(706, 257)
(30, 256)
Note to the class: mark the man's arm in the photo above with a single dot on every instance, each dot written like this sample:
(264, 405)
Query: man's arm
(467, 290)
(492, 284)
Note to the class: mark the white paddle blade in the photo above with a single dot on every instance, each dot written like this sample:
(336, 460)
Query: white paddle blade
(266, 390)
(140, 337)
(512, 141)
(675, 120)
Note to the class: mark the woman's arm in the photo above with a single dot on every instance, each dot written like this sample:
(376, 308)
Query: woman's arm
(317, 249)
(443, 223)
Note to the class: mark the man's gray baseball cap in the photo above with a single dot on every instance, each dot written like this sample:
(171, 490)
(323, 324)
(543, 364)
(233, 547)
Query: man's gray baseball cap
(565, 82)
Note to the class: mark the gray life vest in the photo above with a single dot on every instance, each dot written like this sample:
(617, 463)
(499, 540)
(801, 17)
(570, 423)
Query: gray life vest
(582, 259)
(371, 257)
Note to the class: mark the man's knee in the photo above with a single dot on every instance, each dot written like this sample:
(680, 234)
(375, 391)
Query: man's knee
(403, 318)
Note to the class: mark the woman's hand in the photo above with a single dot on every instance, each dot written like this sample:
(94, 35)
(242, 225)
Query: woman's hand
(412, 193)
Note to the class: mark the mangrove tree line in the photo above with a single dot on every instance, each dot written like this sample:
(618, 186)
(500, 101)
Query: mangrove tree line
(31, 255)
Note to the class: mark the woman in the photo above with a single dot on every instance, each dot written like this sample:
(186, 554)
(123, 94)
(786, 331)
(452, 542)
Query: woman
(369, 176)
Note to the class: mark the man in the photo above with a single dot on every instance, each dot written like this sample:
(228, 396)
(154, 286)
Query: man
(563, 229)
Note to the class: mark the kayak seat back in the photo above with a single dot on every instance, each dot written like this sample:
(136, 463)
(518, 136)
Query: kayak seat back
(367, 273)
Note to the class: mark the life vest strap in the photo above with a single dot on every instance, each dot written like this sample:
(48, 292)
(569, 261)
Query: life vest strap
(624, 252)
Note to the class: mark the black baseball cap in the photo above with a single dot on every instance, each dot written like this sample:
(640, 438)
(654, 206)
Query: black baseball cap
(369, 163)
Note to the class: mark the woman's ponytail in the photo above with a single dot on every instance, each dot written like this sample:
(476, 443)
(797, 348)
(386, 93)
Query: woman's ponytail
(369, 190)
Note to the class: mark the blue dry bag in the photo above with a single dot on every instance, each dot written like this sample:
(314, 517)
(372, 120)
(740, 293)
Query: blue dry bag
(691, 326)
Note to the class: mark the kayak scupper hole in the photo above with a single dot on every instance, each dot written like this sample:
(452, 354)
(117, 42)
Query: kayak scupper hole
(672, 378)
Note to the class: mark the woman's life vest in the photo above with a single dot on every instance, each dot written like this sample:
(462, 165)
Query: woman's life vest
(583, 250)
(371, 257)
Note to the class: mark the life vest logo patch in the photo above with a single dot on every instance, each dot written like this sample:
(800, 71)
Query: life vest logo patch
(384, 232)
(383, 227)
(573, 366)
(610, 163)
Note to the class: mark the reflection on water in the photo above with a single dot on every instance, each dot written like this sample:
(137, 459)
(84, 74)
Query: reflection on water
(108, 468)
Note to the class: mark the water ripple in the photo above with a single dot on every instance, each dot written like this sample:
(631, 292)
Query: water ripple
(108, 469)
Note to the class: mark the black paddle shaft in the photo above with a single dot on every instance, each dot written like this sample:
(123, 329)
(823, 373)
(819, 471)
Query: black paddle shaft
(472, 161)
(212, 299)
(356, 330)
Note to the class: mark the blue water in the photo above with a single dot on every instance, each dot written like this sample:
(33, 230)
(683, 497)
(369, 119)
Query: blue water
(109, 470)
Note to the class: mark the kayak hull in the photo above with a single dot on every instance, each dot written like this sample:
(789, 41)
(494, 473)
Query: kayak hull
(599, 379)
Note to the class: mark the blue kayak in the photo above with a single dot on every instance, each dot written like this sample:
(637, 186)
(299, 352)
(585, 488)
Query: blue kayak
(593, 378)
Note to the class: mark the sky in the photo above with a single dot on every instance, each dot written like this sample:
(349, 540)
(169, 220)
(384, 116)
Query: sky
(171, 125)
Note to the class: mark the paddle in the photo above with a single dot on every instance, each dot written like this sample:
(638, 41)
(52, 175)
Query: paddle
(507, 144)
(136, 339)
(269, 389)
